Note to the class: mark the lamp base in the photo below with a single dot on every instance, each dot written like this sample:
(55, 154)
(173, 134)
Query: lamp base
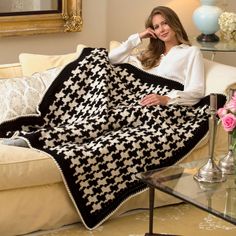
(208, 38)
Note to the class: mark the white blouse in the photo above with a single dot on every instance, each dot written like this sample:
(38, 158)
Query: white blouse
(183, 63)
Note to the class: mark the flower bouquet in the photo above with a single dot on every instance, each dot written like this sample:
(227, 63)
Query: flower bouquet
(227, 115)
(227, 23)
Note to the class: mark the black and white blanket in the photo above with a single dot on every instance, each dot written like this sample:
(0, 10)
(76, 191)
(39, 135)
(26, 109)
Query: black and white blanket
(91, 123)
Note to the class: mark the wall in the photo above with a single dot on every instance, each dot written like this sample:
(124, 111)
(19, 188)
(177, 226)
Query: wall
(135, 12)
(106, 20)
(93, 34)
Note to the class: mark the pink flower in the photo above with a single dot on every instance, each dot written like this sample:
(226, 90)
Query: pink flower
(229, 122)
(221, 112)
(231, 105)
(234, 96)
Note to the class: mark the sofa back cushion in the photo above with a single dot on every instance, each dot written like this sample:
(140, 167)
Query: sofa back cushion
(23, 84)
(32, 63)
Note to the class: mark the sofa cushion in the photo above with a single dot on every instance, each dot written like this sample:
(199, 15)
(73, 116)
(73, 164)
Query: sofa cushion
(21, 96)
(32, 63)
(25, 167)
(219, 77)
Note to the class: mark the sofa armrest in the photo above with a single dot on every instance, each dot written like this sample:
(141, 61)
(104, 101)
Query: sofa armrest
(219, 77)
(12, 70)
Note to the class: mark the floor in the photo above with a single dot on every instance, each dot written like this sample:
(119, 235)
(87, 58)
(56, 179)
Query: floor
(181, 219)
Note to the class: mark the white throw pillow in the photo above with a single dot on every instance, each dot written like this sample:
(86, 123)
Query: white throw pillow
(114, 44)
(21, 96)
(49, 75)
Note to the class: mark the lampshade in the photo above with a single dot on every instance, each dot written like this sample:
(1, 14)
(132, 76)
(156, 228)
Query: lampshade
(205, 18)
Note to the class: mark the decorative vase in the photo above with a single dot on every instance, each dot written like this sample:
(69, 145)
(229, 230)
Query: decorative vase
(230, 203)
(205, 18)
(227, 163)
(234, 160)
(229, 37)
(234, 173)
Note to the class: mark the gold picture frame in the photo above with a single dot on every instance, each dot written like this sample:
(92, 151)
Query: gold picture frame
(69, 20)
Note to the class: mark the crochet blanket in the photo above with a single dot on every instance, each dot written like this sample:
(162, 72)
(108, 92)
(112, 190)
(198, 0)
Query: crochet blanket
(92, 125)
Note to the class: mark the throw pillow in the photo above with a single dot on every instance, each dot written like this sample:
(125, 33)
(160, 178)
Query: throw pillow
(21, 96)
(114, 44)
(32, 63)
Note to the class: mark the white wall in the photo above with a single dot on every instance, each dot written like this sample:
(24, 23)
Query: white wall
(106, 20)
(93, 34)
(132, 17)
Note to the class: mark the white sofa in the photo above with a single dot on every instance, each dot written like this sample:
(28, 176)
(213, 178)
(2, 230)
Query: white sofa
(32, 194)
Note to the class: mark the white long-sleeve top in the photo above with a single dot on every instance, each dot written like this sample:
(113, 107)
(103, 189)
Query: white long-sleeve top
(183, 63)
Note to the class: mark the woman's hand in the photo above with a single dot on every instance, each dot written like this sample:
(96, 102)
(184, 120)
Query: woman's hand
(154, 99)
(148, 33)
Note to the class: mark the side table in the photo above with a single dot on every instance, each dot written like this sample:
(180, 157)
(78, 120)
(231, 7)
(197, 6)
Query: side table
(215, 47)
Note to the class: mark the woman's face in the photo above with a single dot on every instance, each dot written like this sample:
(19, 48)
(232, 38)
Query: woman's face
(162, 29)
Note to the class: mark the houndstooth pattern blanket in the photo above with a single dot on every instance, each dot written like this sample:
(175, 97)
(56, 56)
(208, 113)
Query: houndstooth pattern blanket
(91, 123)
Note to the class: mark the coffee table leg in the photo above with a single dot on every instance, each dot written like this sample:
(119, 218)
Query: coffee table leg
(151, 209)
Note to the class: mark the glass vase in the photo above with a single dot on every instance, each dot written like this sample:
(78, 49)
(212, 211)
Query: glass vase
(234, 155)
(230, 37)
(227, 163)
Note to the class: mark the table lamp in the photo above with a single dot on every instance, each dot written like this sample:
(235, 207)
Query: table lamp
(205, 17)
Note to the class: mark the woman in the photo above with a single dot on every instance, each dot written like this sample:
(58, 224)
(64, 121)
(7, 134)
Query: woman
(169, 54)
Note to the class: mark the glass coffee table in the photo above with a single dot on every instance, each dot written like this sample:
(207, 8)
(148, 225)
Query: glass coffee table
(218, 199)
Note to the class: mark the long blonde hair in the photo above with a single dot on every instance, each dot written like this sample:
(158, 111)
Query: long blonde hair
(150, 57)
